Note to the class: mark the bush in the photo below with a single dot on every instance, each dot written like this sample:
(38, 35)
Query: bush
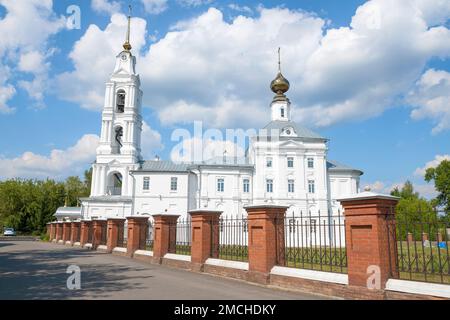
(45, 237)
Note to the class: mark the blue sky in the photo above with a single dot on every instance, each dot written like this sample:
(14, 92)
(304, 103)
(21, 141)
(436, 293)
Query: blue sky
(383, 101)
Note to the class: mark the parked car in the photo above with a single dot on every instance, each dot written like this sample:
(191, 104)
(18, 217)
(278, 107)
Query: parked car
(9, 232)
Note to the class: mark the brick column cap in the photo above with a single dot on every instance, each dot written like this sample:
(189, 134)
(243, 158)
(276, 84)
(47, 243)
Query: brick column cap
(268, 206)
(157, 215)
(368, 195)
(139, 219)
(205, 211)
(99, 219)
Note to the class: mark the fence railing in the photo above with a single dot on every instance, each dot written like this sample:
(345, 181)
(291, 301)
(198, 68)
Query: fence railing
(315, 242)
(183, 234)
(150, 235)
(229, 237)
(90, 233)
(124, 234)
(422, 248)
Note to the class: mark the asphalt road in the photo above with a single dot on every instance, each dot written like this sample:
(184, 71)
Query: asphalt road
(36, 270)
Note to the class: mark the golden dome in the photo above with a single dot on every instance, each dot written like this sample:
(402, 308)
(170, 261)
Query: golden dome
(280, 84)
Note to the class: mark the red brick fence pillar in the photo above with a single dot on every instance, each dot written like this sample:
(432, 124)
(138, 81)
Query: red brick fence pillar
(137, 234)
(99, 233)
(66, 231)
(165, 235)
(205, 236)
(265, 240)
(59, 231)
(370, 239)
(75, 232)
(85, 230)
(115, 228)
(52, 231)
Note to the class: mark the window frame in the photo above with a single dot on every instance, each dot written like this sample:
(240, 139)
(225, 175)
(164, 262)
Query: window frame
(269, 160)
(269, 184)
(290, 159)
(291, 183)
(246, 185)
(312, 186)
(172, 179)
(220, 185)
(310, 160)
(146, 184)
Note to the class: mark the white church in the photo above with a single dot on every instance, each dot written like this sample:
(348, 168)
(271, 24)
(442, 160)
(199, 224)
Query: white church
(286, 164)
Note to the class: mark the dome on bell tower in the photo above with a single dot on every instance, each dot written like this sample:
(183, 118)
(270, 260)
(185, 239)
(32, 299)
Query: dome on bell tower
(280, 84)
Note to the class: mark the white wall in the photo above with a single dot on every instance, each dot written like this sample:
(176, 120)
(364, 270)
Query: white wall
(159, 199)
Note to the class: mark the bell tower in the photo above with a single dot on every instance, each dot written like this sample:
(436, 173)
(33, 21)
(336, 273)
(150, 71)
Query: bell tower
(119, 149)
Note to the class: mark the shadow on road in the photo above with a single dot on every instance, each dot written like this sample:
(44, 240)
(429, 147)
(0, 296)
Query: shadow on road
(41, 274)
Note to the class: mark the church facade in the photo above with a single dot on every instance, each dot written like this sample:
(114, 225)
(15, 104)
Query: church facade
(285, 164)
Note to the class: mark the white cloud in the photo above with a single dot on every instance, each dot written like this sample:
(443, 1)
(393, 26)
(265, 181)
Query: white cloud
(203, 149)
(105, 6)
(430, 99)
(426, 190)
(150, 141)
(238, 8)
(33, 62)
(97, 48)
(155, 6)
(59, 164)
(431, 164)
(193, 3)
(341, 74)
(26, 28)
(6, 93)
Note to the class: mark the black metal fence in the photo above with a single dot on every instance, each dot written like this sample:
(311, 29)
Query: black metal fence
(90, 233)
(422, 247)
(315, 242)
(229, 237)
(150, 235)
(183, 235)
(124, 234)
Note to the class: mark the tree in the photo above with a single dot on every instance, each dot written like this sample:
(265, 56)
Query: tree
(27, 205)
(412, 211)
(441, 177)
(88, 180)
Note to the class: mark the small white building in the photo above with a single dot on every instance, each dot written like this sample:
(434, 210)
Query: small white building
(284, 164)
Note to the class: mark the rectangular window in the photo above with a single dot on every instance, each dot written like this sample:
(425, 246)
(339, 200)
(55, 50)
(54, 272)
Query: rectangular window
(146, 183)
(269, 162)
(282, 112)
(290, 186)
(173, 184)
(310, 163)
(246, 185)
(311, 186)
(269, 185)
(220, 185)
(290, 162)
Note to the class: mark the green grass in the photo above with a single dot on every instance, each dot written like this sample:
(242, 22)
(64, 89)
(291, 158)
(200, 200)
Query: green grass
(183, 249)
(419, 263)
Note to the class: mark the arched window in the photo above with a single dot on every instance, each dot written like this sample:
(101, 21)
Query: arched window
(116, 144)
(120, 101)
(114, 187)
